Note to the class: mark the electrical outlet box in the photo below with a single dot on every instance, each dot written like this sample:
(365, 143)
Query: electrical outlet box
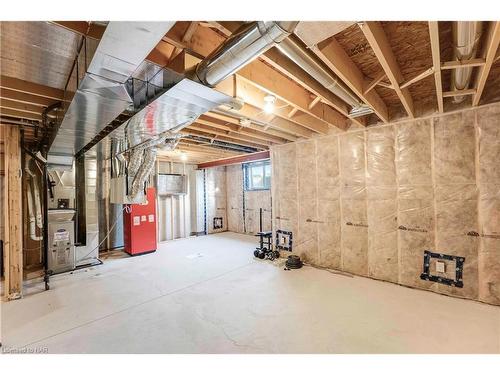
(440, 267)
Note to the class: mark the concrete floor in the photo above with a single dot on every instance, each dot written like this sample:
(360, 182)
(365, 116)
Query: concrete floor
(225, 301)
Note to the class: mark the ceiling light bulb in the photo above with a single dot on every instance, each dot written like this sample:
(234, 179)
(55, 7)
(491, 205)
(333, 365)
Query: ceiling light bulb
(184, 156)
(269, 103)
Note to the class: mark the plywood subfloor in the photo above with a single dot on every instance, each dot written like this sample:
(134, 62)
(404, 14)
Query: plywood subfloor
(224, 301)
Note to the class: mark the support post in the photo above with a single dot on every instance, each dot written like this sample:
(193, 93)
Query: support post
(13, 253)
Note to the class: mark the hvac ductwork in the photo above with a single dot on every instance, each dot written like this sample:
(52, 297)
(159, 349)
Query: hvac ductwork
(466, 36)
(98, 89)
(295, 51)
(246, 44)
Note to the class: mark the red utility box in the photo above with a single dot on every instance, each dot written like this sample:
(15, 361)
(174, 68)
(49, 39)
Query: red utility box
(139, 225)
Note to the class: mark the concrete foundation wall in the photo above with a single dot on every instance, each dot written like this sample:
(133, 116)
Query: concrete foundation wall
(215, 184)
(370, 201)
(243, 207)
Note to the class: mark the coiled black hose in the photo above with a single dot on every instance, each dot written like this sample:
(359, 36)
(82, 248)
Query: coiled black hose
(293, 262)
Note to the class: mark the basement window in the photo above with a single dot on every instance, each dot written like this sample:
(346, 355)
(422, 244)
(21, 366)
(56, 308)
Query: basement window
(257, 175)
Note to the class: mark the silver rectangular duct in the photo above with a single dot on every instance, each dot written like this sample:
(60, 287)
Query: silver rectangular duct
(175, 108)
(99, 86)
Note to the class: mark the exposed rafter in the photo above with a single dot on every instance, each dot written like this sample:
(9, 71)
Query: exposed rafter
(375, 35)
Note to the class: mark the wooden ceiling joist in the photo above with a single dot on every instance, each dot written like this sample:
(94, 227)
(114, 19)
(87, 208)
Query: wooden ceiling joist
(20, 114)
(19, 106)
(258, 72)
(334, 56)
(436, 62)
(244, 130)
(253, 95)
(19, 85)
(379, 43)
(235, 120)
(491, 46)
(206, 127)
(211, 134)
(288, 68)
(276, 122)
(26, 98)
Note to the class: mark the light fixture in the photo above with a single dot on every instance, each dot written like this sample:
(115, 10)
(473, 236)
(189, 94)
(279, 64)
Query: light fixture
(245, 122)
(184, 156)
(269, 103)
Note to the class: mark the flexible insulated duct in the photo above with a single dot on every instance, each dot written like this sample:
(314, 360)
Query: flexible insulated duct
(466, 36)
(34, 205)
(293, 49)
(246, 44)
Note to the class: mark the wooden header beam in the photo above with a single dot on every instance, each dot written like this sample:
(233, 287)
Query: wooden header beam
(375, 35)
(256, 156)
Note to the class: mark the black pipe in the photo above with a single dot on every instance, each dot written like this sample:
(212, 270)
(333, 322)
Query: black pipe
(260, 219)
(46, 274)
(48, 138)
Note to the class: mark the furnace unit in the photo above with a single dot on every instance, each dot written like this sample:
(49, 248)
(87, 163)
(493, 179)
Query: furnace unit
(139, 224)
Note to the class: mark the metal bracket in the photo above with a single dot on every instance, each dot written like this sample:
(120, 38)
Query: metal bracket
(218, 223)
(284, 233)
(459, 264)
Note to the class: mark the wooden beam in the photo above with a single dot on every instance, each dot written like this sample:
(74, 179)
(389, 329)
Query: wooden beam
(491, 46)
(275, 122)
(449, 94)
(254, 96)
(20, 114)
(268, 80)
(334, 56)
(462, 64)
(234, 119)
(31, 88)
(375, 35)
(12, 211)
(288, 68)
(26, 98)
(189, 32)
(418, 77)
(207, 127)
(263, 155)
(436, 62)
(374, 82)
(11, 104)
(225, 138)
(244, 130)
(266, 73)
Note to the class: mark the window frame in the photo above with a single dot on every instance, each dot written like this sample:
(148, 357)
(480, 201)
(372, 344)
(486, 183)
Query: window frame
(247, 168)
